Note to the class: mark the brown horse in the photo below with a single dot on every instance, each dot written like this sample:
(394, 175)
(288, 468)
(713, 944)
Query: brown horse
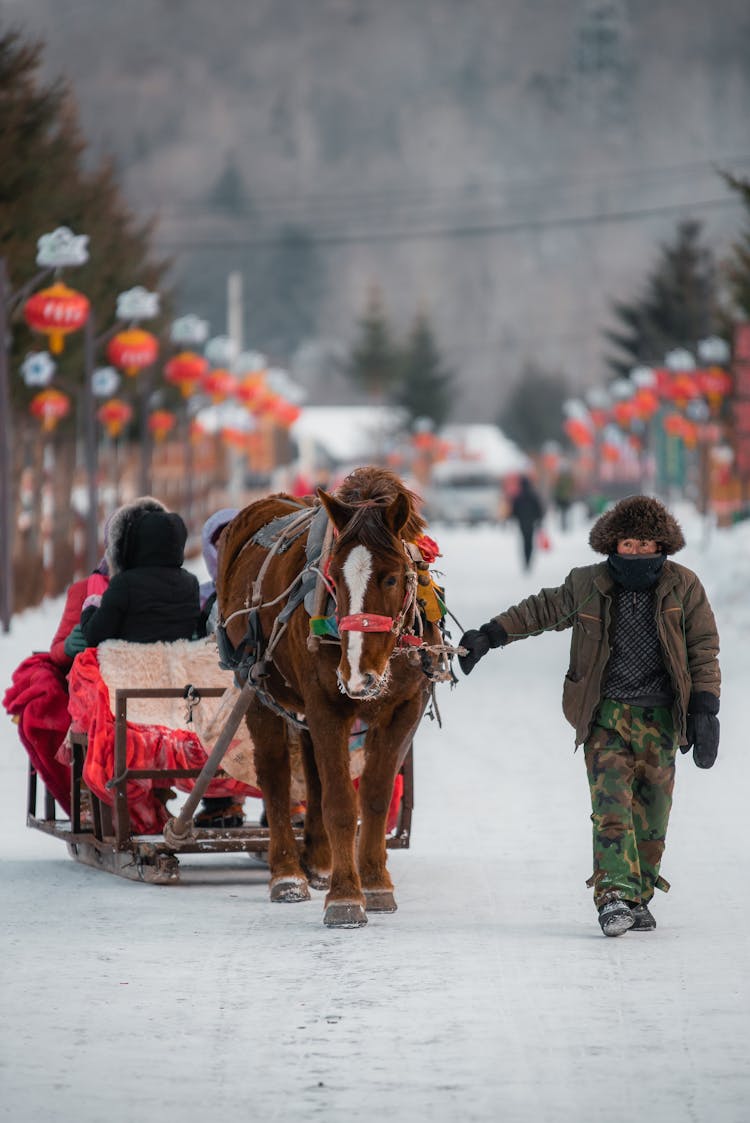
(381, 669)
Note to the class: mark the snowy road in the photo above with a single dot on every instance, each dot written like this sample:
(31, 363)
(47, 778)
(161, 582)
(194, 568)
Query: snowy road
(490, 995)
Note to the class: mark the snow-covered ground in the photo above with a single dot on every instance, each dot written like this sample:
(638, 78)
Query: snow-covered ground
(490, 995)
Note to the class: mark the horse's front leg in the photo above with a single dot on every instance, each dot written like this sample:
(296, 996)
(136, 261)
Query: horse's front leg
(345, 902)
(386, 746)
(269, 733)
(316, 855)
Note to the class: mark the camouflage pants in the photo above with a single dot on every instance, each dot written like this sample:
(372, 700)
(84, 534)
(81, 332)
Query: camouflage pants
(630, 757)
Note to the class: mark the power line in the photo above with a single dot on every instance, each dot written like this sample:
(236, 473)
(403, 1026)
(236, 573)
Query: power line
(423, 196)
(458, 231)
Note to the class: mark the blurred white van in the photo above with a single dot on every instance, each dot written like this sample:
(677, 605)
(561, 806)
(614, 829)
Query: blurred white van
(464, 492)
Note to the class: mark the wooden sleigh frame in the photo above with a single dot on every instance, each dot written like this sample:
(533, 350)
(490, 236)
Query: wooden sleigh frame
(107, 842)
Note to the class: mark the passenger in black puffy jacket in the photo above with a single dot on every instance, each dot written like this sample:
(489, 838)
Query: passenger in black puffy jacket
(150, 597)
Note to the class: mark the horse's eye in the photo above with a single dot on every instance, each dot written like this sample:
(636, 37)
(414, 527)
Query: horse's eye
(390, 581)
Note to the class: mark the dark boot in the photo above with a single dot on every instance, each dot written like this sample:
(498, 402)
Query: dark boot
(220, 812)
(615, 917)
(643, 921)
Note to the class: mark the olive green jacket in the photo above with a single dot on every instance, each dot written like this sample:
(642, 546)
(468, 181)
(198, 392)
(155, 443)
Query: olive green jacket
(684, 619)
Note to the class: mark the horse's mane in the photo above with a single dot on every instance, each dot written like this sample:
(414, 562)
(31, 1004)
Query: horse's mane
(371, 491)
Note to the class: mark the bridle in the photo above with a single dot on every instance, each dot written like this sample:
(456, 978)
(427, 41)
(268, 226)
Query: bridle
(401, 625)
(407, 625)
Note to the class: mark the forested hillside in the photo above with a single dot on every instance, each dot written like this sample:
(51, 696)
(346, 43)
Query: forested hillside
(508, 168)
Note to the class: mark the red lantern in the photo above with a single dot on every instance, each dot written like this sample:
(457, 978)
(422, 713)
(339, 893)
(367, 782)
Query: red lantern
(56, 312)
(133, 350)
(578, 432)
(220, 384)
(251, 392)
(624, 413)
(646, 403)
(610, 454)
(423, 442)
(285, 413)
(186, 370)
(114, 416)
(161, 422)
(684, 388)
(50, 406)
(715, 383)
(235, 438)
(675, 425)
(663, 382)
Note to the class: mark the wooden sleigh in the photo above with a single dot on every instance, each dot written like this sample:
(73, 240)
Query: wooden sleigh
(101, 835)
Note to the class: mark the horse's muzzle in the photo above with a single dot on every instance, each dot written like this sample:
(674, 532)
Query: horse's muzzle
(369, 686)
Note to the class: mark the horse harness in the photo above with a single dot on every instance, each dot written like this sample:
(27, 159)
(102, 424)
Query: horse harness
(251, 656)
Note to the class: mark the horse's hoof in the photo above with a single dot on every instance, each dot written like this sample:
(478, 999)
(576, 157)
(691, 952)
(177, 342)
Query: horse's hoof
(319, 881)
(380, 900)
(316, 879)
(345, 914)
(289, 889)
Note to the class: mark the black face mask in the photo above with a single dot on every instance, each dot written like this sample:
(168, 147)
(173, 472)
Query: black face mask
(633, 572)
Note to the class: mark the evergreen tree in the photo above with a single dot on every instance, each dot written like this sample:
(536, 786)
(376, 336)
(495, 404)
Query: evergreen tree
(531, 416)
(374, 360)
(737, 268)
(228, 192)
(424, 387)
(46, 182)
(677, 308)
(288, 292)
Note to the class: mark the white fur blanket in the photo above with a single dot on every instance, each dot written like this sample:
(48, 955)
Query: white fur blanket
(152, 666)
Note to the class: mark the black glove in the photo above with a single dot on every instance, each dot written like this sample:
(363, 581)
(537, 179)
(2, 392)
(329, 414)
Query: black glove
(478, 642)
(703, 728)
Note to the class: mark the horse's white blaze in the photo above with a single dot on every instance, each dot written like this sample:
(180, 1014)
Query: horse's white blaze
(357, 572)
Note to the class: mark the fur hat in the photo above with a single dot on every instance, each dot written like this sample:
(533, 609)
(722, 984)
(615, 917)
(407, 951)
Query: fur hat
(118, 526)
(637, 516)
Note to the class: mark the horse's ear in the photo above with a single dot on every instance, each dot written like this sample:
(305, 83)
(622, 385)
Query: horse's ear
(397, 515)
(339, 513)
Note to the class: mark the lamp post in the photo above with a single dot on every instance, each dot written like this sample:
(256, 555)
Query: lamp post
(186, 370)
(135, 352)
(55, 251)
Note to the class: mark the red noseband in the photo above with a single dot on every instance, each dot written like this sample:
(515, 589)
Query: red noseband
(366, 622)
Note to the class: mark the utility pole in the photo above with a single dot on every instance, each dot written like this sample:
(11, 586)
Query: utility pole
(89, 445)
(235, 329)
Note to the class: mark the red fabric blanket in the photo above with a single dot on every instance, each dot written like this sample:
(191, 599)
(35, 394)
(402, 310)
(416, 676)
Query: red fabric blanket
(38, 699)
(148, 746)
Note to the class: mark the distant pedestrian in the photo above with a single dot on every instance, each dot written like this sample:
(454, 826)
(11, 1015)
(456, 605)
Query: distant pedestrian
(643, 678)
(526, 508)
(563, 495)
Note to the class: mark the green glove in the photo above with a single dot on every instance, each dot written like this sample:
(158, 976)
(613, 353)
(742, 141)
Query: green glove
(75, 642)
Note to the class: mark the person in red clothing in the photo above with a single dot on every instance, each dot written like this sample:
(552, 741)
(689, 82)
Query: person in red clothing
(68, 639)
(37, 699)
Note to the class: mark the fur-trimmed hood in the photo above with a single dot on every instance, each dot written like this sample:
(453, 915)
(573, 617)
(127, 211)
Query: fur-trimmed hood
(212, 528)
(144, 533)
(637, 516)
